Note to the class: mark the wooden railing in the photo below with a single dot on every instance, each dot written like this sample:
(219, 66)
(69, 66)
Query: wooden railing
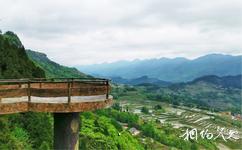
(54, 87)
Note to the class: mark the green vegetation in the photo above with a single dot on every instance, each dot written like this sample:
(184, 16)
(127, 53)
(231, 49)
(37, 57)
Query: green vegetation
(199, 99)
(165, 134)
(52, 69)
(14, 60)
(33, 124)
(145, 110)
(101, 132)
(170, 137)
(218, 96)
(25, 130)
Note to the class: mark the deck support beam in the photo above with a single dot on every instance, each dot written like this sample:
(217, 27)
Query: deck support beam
(66, 131)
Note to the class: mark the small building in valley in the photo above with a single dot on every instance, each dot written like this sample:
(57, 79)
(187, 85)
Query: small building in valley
(134, 131)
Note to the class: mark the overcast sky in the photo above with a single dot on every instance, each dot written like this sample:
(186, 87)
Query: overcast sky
(78, 32)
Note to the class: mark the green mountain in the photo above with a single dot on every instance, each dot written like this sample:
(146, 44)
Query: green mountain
(172, 70)
(53, 69)
(225, 82)
(207, 92)
(14, 60)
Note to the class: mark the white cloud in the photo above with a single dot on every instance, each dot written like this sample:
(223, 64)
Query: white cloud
(77, 32)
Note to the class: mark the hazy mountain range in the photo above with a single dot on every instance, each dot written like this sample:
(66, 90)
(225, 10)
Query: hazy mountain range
(172, 70)
(140, 80)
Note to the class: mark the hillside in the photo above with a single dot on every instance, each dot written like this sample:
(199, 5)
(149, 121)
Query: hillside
(18, 131)
(14, 60)
(53, 69)
(172, 70)
(225, 82)
(203, 92)
(212, 92)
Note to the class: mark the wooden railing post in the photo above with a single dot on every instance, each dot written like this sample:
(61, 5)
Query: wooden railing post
(29, 92)
(107, 94)
(69, 91)
(72, 82)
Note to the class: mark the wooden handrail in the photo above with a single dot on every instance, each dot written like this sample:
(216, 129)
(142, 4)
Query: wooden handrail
(52, 88)
(52, 79)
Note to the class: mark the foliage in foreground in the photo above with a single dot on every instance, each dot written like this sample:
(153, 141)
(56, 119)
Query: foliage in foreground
(165, 134)
(101, 132)
(26, 131)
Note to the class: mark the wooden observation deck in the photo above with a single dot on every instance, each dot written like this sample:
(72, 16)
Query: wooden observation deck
(56, 95)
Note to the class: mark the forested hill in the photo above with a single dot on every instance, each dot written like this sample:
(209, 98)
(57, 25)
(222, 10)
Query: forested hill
(218, 93)
(225, 82)
(172, 70)
(14, 60)
(24, 130)
(53, 69)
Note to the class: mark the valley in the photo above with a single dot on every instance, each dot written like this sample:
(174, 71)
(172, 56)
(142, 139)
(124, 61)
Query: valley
(187, 106)
(183, 118)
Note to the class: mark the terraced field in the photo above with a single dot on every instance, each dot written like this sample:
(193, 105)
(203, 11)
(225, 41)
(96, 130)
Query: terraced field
(185, 118)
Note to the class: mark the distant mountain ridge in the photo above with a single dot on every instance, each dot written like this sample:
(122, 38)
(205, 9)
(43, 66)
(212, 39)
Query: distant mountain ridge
(172, 70)
(140, 80)
(53, 69)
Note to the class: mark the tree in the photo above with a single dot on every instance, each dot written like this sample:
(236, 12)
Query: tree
(117, 106)
(145, 110)
(157, 107)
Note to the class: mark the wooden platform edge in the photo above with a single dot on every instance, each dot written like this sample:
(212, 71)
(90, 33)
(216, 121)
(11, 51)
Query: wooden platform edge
(21, 107)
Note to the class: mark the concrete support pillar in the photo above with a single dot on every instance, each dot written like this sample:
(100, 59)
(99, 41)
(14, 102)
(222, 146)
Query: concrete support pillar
(66, 131)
